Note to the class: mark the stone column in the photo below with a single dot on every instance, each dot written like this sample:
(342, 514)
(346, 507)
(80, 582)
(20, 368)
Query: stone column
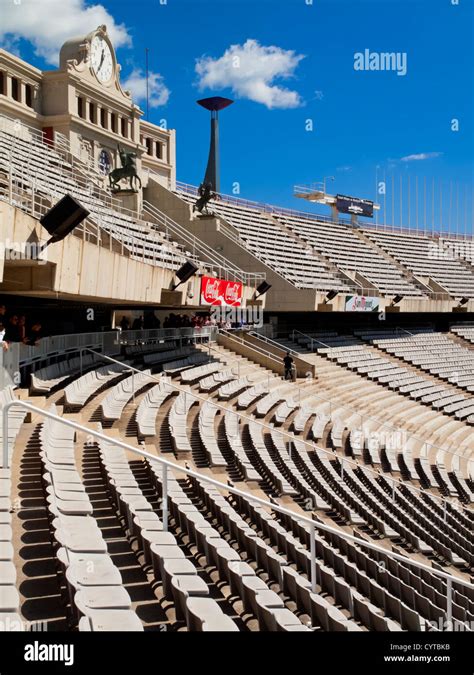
(8, 85)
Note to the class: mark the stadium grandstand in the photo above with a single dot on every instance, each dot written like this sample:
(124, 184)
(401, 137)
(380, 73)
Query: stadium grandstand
(238, 417)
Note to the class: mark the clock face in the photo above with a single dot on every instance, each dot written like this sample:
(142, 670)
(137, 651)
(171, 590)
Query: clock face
(101, 59)
(105, 163)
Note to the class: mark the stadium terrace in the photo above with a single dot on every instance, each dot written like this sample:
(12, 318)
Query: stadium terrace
(219, 415)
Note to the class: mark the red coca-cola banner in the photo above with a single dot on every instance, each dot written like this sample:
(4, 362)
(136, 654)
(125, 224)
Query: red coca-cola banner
(220, 292)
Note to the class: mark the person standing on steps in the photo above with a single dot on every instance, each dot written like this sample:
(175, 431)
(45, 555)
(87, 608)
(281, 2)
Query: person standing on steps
(288, 365)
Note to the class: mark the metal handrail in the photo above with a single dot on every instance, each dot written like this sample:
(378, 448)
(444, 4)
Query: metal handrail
(259, 350)
(313, 340)
(280, 210)
(250, 420)
(205, 251)
(269, 341)
(150, 334)
(167, 464)
(334, 405)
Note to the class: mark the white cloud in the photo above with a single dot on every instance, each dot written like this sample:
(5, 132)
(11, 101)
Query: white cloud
(47, 24)
(250, 70)
(157, 90)
(421, 156)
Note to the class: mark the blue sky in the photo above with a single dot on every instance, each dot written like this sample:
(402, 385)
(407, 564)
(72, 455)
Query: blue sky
(361, 119)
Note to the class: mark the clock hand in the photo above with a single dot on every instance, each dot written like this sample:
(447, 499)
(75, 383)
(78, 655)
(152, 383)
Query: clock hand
(101, 60)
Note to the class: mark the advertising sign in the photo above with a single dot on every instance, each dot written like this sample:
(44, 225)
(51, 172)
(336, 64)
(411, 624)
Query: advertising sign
(220, 292)
(354, 205)
(359, 303)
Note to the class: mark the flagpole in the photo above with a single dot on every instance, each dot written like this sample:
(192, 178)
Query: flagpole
(147, 84)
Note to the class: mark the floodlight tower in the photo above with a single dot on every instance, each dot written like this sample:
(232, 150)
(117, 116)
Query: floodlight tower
(214, 104)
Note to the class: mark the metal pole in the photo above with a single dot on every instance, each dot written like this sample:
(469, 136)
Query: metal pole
(376, 193)
(165, 498)
(147, 84)
(312, 534)
(80, 361)
(5, 448)
(449, 608)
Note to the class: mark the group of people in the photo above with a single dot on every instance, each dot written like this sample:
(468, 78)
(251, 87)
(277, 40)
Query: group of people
(193, 321)
(173, 321)
(140, 322)
(15, 327)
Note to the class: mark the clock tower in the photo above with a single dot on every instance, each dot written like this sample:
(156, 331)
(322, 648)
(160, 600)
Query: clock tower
(85, 101)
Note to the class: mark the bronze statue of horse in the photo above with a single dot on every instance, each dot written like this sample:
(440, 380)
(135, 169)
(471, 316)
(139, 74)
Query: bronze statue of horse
(127, 170)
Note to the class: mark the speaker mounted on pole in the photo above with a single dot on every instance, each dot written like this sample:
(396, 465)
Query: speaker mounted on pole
(63, 218)
(184, 273)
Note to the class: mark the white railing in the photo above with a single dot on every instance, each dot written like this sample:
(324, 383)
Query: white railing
(280, 210)
(199, 249)
(272, 506)
(59, 344)
(335, 408)
(312, 339)
(19, 356)
(286, 435)
(151, 334)
(273, 343)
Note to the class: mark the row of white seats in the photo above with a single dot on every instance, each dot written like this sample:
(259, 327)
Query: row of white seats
(96, 593)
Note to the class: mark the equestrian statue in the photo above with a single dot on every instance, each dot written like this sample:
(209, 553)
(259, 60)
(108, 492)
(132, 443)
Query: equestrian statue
(127, 170)
(205, 195)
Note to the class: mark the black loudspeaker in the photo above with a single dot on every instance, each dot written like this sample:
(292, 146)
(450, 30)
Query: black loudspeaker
(397, 299)
(263, 287)
(63, 217)
(331, 295)
(186, 271)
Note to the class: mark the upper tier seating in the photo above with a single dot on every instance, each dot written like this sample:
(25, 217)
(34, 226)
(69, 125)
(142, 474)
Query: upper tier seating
(422, 256)
(433, 352)
(310, 253)
(465, 331)
(34, 165)
(276, 248)
(349, 252)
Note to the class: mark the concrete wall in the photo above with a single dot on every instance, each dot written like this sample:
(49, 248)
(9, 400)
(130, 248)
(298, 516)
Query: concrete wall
(83, 270)
(283, 296)
(80, 269)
